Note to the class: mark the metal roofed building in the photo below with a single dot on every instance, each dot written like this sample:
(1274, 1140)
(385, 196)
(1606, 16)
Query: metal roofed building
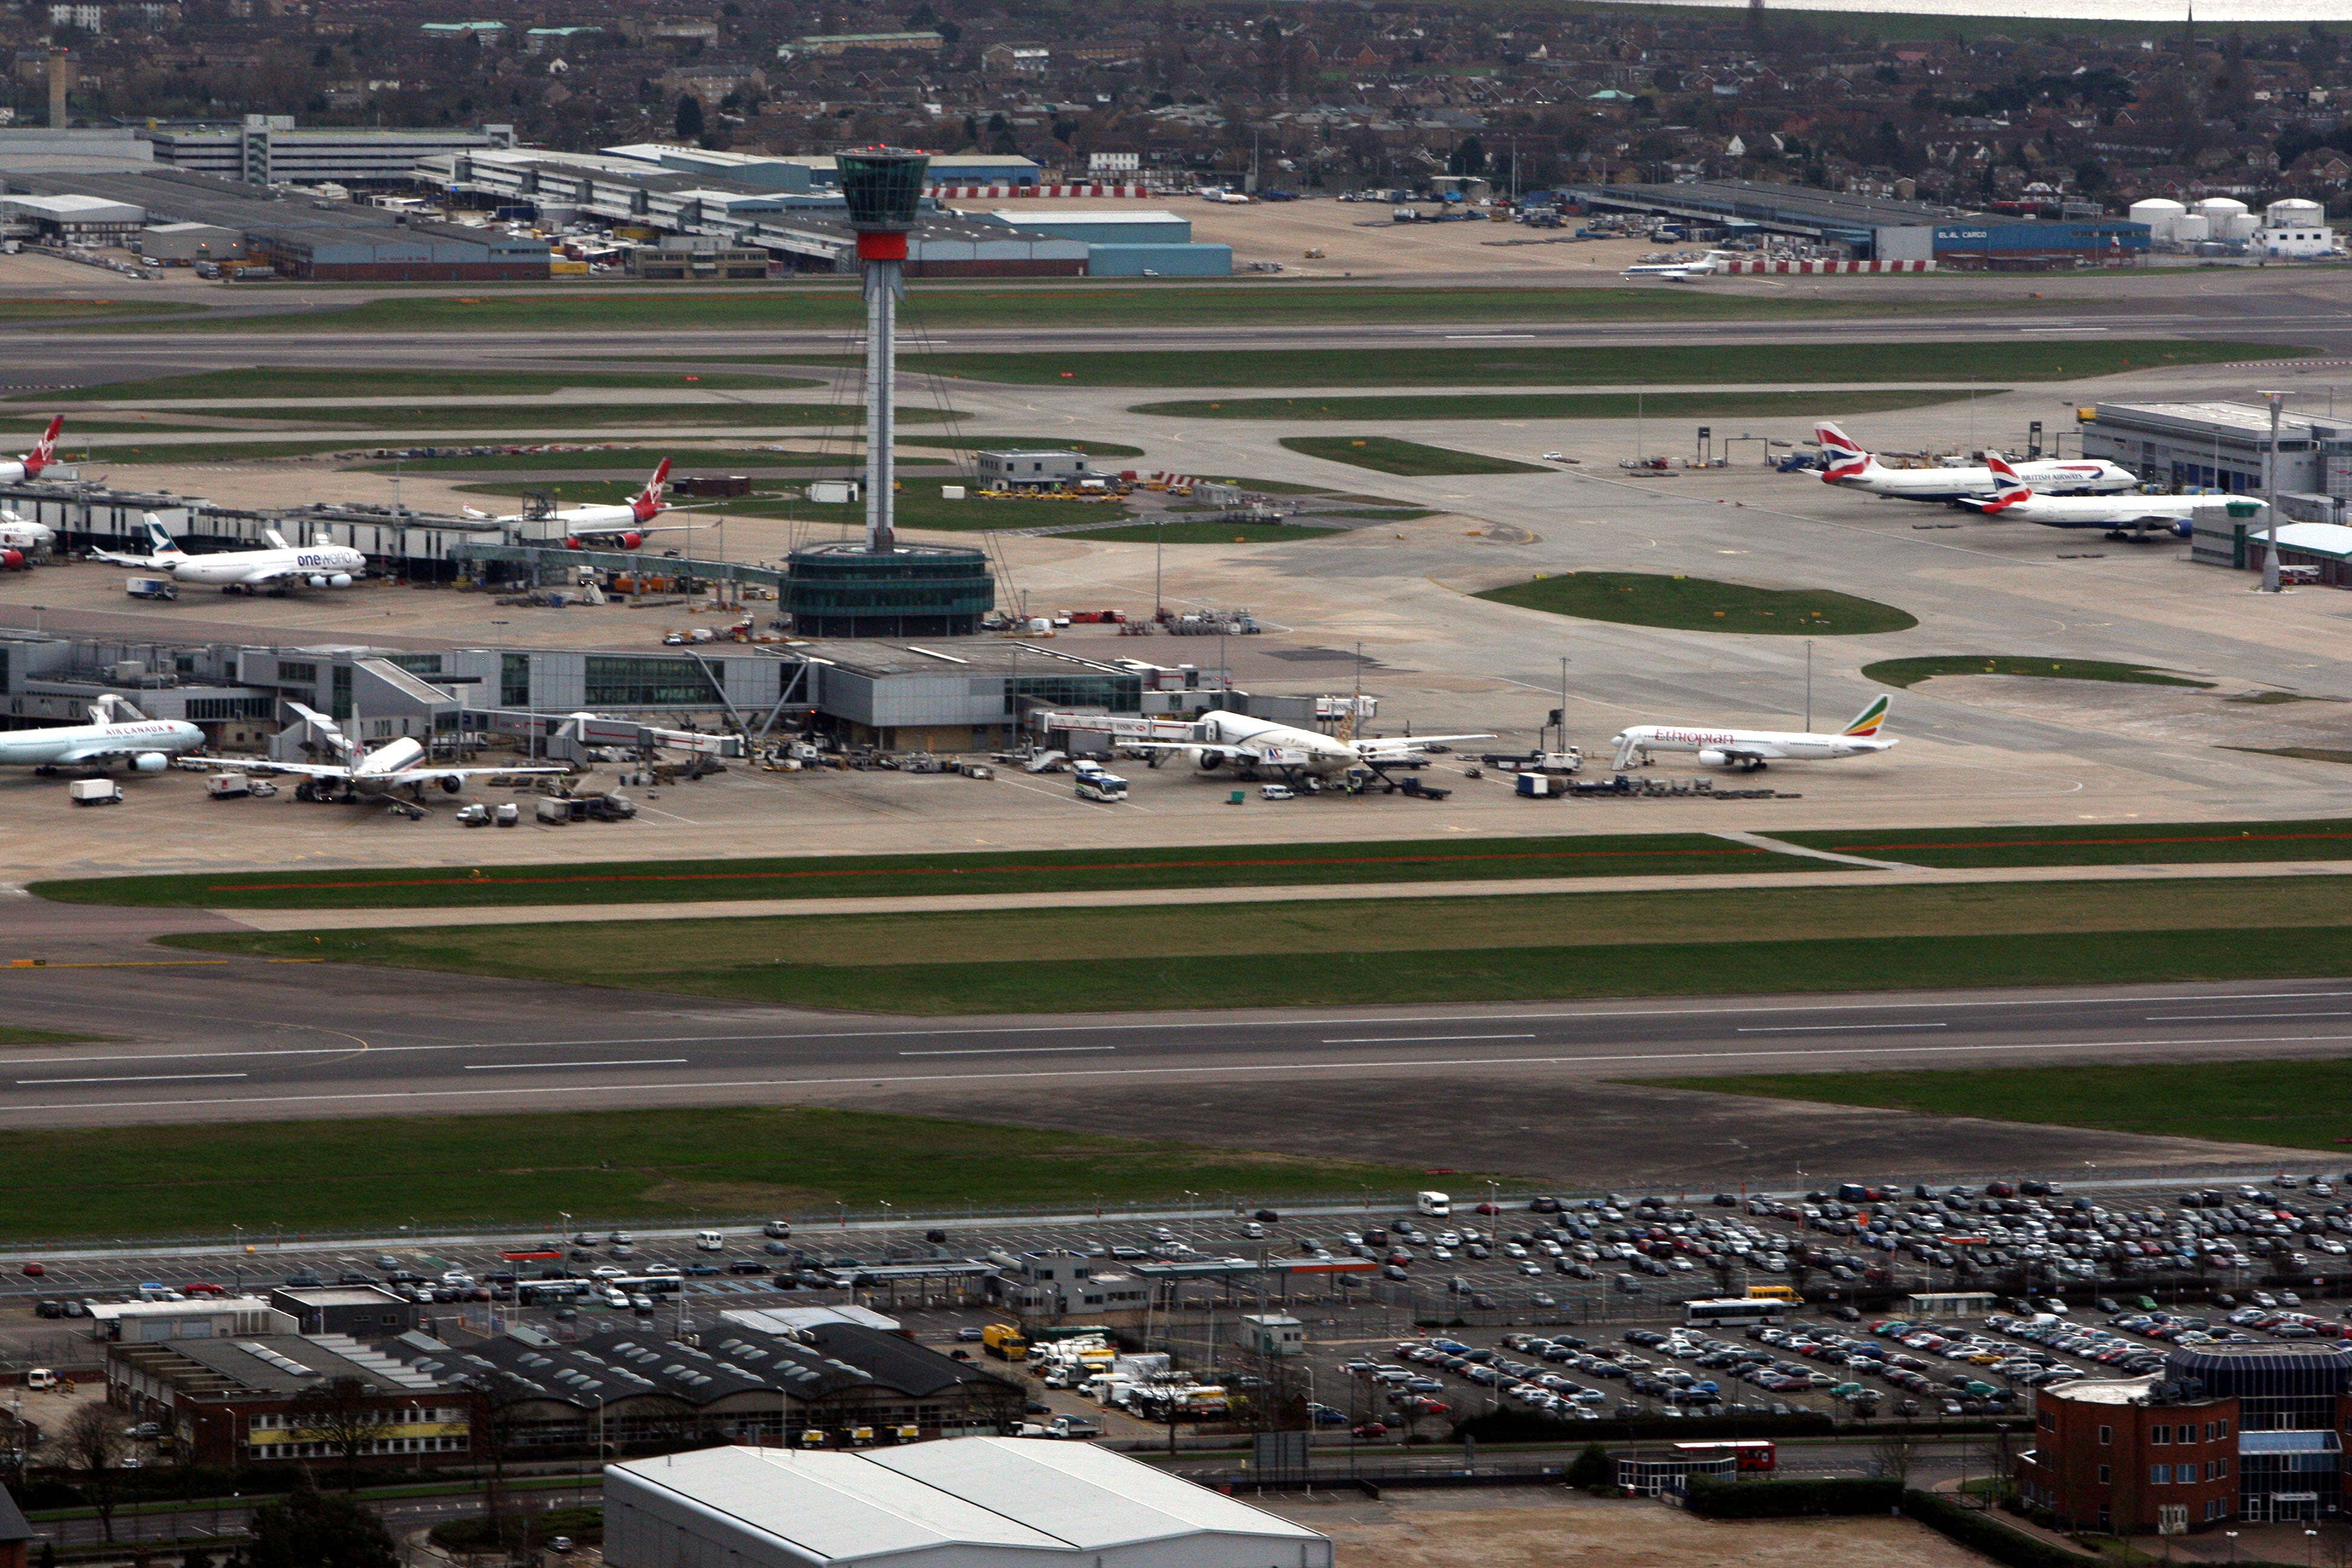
(1875, 228)
(237, 1400)
(2222, 445)
(270, 149)
(1020, 1503)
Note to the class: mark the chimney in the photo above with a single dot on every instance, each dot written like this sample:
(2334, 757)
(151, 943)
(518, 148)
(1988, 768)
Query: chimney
(60, 64)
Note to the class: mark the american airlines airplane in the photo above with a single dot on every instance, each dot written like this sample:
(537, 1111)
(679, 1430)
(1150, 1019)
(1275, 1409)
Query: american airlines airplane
(44, 454)
(1853, 469)
(2124, 516)
(1748, 749)
(120, 730)
(622, 526)
(276, 569)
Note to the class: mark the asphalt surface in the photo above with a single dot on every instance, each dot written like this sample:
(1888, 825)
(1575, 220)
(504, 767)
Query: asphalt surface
(205, 1039)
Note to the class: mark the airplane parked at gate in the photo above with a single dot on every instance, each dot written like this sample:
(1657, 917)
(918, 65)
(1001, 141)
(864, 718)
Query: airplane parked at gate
(1220, 737)
(43, 455)
(1748, 749)
(118, 731)
(276, 569)
(374, 773)
(620, 527)
(1851, 467)
(2124, 516)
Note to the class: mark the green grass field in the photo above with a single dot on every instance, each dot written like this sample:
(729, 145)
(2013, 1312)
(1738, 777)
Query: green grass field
(1700, 605)
(1909, 672)
(1557, 405)
(67, 313)
(2092, 843)
(636, 1165)
(640, 460)
(1688, 365)
(1388, 455)
(1384, 953)
(13, 1037)
(1237, 303)
(1192, 531)
(305, 381)
(2286, 1104)
(873, 876)
(920, 505)
(558, 417)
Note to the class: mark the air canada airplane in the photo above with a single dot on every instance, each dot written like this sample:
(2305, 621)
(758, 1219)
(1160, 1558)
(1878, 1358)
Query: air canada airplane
(2124, 516)
(1748, 749)
(118, 732)
(276, 569)
(1851, 467)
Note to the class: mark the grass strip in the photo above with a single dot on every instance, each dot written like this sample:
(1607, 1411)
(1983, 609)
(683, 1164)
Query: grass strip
(2295, 1104)
(636, 1165)
(560, 416)
(14, 1037)
(1193, 531)
(1557, 405)
(1909, 672)
(304, 381)
(640, 460)
(221, 451)
(2299, 753)
(74, 311)
(1702, 605)
(1237, 303)
(1686, 364)
(2092, 843)
(1391, 977)
(877, 876)
(1389, 455)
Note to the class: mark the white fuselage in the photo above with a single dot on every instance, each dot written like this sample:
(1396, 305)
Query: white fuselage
(1718, 748)
(2111, 511)
(73, 743)
(2096, 475)
(1269, 745)
(322, 563)
(25, 535)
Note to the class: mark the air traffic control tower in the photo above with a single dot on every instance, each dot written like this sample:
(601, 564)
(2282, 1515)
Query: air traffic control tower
(881, 588)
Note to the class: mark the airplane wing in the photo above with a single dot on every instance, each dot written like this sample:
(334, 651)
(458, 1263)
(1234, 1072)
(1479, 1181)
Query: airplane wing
(434, 776)
(1412, 742)
(310, 770)
(112, 558)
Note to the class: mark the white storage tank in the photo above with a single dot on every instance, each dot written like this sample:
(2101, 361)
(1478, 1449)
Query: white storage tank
(2161, 215)
(2295, 213)
(2219, 210)
(2241, 226)
(2191, 229)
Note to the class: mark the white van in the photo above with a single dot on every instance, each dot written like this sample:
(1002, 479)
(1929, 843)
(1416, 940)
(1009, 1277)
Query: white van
(1437, 1206)
(710, 1241)
(40, 1377)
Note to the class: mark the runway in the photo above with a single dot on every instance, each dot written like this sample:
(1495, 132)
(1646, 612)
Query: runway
(239, 1039)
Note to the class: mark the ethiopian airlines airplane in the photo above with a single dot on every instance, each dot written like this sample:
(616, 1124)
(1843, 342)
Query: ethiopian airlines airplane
(1849, 467)
(1748, 749)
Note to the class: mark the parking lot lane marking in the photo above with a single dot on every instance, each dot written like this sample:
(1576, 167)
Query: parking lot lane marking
(521, 1067)
(2223, 1017)
(143, 1078)
(1010, 1051)
(1416, 1039)
(1827, 1028)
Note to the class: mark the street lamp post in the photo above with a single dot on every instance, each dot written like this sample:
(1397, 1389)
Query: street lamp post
(2270, 498)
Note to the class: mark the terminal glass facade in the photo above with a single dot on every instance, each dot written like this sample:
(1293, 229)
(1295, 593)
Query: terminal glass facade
(621, 681)
(851, 592)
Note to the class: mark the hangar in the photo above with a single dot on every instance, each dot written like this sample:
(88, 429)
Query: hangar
(1020, 1503)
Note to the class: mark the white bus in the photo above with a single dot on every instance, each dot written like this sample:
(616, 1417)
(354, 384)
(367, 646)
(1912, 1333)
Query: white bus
(1734, 1311)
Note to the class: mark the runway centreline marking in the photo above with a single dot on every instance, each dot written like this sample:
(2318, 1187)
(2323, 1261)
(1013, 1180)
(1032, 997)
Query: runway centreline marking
(526, 1066)
(868, 1076)
(2233, 1017)
(1418, 1039)
(142, 1078)
(1010, 1051)
(1139, 1026)
(1827, 1028)
(962, 870)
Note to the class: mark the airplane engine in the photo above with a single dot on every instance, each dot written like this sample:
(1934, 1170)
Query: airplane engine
(631, 540)
(1208, 761)
(340, 580)
(2186, 527)
(574, 544)
(150, 763)
(1714, 759)
(453, 786)
(318, 580)
(12, 559)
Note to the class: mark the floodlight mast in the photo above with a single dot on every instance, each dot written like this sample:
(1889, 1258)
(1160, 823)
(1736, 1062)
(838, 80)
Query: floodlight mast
(882, 187)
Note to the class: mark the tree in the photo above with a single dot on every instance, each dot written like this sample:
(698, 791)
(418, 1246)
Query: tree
(1470, 158)
(309, 1530)
(1591, 1468)
(92, 1440)
(339, 1414)
(689, 117)
(1891, 1456)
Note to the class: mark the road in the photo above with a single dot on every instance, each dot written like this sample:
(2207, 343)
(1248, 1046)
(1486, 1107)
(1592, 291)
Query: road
(235, 1038)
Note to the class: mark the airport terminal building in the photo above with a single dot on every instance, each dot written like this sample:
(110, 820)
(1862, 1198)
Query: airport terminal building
(1876, 228)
